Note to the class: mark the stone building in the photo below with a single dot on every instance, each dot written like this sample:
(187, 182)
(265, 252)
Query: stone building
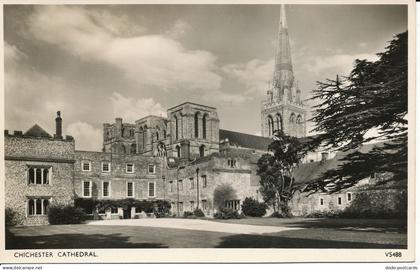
(283, 108)
(182, 158)
(39, 172)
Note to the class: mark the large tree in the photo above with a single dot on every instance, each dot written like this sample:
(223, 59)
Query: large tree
(369, 105)
(276, 171)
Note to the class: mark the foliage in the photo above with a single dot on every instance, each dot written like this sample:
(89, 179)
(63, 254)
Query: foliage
(159, 207)
(227, 213)
(188, 214)
(253, 208)
(12, 218)
(65, 214)
(373, 97)
(377, 205)
(198, 212)
(221, 194)
(276, 170)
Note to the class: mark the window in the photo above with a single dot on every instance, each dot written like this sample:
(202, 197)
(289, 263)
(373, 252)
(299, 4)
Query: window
(192, 206)
(178, 151)
(171, 186)
(202, 150)
(205, 126)
(324, 156)
(180, 206)
(176, 128)
(180, 186)
(321, 201)
(196, 120)
(151, 189)
(232, 163)
(87, 189)
(151, 169)
(38, 206)
(204, 180)
(232, 204)
(129, 168)
(39, 175)
(86, 166)
(101, 211)
(372, 175)
(339, 201)
(191, 183)
(105, 189)
(130, 189)
(106, 167)
(204, 204)
(114, 210)
(349, 197)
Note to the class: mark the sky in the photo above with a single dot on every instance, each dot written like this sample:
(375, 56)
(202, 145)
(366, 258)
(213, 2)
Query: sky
(98, 62)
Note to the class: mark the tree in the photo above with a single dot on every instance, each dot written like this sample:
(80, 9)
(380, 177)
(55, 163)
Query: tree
(276, 171)
(222, 194)
(372, 98)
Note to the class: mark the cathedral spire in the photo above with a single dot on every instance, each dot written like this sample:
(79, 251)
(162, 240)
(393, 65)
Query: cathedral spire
(283, 70)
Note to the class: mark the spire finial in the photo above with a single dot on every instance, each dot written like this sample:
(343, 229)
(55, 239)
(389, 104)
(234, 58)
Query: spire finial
(283, 20)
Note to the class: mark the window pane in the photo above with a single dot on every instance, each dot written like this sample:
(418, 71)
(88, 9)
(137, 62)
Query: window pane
(31, 207)
(106, 189)
(151, 189)
(86, 166)
(46, 207)
(86, 189)
(31, 176)
(129, 189)
(38, 207)
(45, 180)
(38, 176)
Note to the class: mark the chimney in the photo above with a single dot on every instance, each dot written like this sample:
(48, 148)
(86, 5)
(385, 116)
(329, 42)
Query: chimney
(58, 126)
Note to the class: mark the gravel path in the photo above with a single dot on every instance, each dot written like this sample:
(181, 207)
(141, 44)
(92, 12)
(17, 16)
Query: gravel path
(193, 224)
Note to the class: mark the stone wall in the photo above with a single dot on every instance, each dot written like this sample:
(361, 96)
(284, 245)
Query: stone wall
(23, 152)
(118, 177)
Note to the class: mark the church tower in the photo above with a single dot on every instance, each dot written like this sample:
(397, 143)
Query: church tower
(283, 108)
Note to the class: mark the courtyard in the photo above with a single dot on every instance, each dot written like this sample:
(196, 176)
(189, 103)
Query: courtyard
(200, 233)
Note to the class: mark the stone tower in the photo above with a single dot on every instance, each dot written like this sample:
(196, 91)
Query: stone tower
(283, 108)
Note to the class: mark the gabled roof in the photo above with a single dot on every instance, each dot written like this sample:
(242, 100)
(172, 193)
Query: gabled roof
(245, 140)
(251, 141)
(37, 131)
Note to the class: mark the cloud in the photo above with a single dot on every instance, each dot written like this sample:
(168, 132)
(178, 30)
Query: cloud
(86, 136)
(11, 55)
(179, 28)
(131, 109)
(337, 63)
(228, 98)
(153, 60)
(254, 74)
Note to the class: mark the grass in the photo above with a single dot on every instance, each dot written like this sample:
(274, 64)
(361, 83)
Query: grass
(313, 233)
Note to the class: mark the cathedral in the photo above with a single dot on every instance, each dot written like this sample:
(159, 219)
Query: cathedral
(181, 158)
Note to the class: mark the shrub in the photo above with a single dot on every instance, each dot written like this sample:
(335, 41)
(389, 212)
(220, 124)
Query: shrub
(324, 214)
(253, 208)
(60, 214)
(12, 218)
(227, 213)
(198, 212)
(188, 214)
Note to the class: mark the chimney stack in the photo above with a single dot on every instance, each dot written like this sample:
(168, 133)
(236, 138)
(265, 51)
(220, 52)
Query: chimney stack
(58, 126)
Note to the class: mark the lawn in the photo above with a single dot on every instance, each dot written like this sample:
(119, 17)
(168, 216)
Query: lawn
(311, 233)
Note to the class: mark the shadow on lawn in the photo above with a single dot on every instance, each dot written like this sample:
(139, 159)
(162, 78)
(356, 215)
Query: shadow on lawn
(267, 241)
(63, 241)
(374, 225)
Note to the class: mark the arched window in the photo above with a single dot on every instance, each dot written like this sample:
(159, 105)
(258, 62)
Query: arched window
(202, 150)
(178, 151)
(164, 133)
(299, 119)
(205, 126)
(123, 150)
(176, 127)
(31, 176)
(279, 122)
(45, 176)
(270, 123)
(196, 119)
(157, 135)
(292, 118)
